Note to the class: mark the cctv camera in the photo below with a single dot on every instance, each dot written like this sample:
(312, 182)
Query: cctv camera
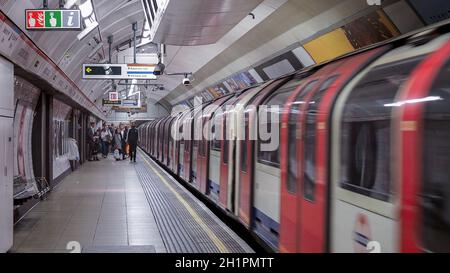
(186, 81)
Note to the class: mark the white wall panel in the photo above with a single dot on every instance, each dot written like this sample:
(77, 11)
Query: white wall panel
(6, 154)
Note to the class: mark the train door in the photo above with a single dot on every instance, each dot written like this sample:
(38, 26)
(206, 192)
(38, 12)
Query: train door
(180, 157)
(314, 155)
(168, 144)
(156, 150)
(424, 131)
(247, 151)
(289, 211)
(172, 143)
(162, 140)
(364, 203)
(266, 188)
(153, 137)
(213, 114)
(241, 129)
(202, 127)
(188, 145)
(227, 151)
(178, 133)
(196, 141)
(203, 157)
(147, 137)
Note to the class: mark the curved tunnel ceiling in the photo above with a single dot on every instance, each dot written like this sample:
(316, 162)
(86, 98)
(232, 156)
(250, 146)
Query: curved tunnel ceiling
(115, 18)
(277, 23)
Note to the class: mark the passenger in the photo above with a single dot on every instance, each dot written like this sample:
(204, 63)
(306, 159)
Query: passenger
(124, 134)
(106, 141)
(97, 145)
(112, 132)
(117, 144)
(133, 142)
(91, 141)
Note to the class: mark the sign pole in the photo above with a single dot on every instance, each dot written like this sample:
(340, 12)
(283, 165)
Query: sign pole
(134, 39)
(45, 3)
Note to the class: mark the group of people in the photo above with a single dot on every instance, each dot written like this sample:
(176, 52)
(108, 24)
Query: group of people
(121, 141)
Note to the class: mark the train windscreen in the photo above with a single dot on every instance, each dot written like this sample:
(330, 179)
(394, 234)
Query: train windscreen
(435, 196)
(366, 130)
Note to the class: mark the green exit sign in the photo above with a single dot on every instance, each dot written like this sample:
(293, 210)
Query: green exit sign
(45, 19)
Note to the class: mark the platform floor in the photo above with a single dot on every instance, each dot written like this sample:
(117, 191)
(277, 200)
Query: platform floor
(118, 206)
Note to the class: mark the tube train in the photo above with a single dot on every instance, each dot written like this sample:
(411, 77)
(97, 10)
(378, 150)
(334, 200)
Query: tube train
(363, 160)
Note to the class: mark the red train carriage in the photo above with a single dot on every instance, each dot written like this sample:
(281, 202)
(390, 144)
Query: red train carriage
(363, 155)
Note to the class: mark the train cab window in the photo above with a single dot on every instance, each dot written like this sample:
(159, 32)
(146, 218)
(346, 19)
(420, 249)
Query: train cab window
(366, 130)
(273, 106)
(292, 135)
(435, 196)
(309, 151)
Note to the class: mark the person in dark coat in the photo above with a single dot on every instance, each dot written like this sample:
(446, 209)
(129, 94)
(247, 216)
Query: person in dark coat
(124, 142)
(90, 134)
(132, 140)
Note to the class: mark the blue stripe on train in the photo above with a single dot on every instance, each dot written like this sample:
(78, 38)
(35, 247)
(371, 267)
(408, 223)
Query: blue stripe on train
(214, 189)
(266, 227)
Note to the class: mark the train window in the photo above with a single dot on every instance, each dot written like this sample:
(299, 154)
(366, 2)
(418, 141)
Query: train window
(309, 151)
(244, 150)
(216, 130)
(435, 197)
(366, 130)
(292, 135)
(273, 105)
(225, 141)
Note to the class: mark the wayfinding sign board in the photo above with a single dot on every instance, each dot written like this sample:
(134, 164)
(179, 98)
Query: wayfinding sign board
(52, 19)
(119, 71)
(113, 103)
(130, 104)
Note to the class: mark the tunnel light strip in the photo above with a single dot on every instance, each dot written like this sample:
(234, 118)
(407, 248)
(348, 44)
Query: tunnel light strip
(401, 103)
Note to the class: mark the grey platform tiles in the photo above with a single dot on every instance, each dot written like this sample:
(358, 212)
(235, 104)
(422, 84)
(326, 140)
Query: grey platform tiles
(119, 207)
(119, 249)
(173, 208)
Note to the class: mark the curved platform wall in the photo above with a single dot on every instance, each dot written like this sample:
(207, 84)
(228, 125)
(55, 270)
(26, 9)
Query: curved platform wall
(26, 97)
(61, 120)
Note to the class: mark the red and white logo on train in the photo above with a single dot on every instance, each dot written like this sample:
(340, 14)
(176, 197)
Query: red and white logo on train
(361, 234)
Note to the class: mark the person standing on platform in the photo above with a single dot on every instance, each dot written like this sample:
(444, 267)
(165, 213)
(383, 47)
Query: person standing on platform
(117, 144)
(90, 141)
(112, 132)
(124, 133)
(106, 140)
(133, 142)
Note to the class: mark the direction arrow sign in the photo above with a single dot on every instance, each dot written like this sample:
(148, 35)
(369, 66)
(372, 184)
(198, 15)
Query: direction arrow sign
(51, 19)
(119, 71)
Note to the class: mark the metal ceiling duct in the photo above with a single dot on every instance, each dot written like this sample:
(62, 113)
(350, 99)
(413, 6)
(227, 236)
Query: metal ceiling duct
(194, 22)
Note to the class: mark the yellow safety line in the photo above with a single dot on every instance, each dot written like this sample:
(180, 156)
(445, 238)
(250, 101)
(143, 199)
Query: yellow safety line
(219, 244)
